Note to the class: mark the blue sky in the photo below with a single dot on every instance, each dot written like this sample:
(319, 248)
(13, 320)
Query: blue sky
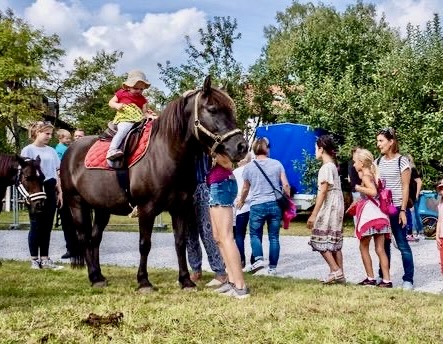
(151, 31)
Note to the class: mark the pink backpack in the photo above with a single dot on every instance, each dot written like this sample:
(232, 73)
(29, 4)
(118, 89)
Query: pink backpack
(385, 199)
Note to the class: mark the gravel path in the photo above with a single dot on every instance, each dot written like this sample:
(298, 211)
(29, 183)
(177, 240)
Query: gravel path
(296, 258)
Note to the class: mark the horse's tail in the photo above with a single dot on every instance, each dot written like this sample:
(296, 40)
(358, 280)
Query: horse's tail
(75, 246)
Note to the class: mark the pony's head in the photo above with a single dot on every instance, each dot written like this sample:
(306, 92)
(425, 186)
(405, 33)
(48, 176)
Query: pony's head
(214, 124)
(29, 183)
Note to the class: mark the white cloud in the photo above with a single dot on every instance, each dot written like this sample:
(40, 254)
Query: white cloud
(154, 38)
(401, 12)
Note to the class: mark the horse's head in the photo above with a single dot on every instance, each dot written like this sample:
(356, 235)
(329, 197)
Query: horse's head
(214, 124)
(29, 183)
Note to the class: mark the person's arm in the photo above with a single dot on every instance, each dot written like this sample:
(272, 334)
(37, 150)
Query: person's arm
(114, 104)
(405, 179)
(244, 194)
(285, 183)
(321, 196)
(419, 185)
(367, 187)
(438, 228)
(223, 161)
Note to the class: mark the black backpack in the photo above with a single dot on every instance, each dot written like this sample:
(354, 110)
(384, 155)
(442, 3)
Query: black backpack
(412, 184)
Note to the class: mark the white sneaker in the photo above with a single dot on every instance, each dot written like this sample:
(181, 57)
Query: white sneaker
(114, 154)
(237, 293)
(223, 288)
(257, 266)
(407, 286)
(49, 264)
(272, 271)
(216, 282)
(35, 264)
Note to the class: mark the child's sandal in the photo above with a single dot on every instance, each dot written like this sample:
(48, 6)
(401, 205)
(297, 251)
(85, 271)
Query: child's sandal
(335, 277)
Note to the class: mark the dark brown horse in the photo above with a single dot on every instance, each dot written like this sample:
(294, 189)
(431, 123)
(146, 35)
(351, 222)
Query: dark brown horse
(162, 180)
(26, 174)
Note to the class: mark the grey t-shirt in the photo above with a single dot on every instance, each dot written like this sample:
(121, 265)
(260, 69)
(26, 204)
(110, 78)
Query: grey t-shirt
(50, 162)
(260, 190)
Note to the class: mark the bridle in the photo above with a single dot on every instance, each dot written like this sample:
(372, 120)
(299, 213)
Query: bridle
(218, 139)
(22, 190)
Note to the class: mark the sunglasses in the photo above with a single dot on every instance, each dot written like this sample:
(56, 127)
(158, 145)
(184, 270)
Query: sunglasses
(388, 132)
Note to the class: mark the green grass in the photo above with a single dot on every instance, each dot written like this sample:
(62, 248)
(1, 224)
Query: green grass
(51, 306)
(126, 224)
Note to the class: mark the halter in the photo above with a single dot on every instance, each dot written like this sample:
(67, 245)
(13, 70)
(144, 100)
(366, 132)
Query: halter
(22, 190)
(218, 139)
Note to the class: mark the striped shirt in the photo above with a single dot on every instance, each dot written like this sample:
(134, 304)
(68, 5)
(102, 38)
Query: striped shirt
(390, 171)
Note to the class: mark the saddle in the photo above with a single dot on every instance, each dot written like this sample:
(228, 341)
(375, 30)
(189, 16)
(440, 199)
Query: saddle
(134, 146)
(129, 145)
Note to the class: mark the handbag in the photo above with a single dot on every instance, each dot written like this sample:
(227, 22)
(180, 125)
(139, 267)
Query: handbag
(282, 199)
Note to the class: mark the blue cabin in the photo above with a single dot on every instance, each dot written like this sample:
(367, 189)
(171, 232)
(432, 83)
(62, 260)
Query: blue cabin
(287, 143)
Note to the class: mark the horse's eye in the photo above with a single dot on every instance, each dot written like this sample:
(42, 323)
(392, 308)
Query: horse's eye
(212, 109)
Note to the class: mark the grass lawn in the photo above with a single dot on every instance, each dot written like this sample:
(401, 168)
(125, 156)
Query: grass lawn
(52, 306)
(124, 223)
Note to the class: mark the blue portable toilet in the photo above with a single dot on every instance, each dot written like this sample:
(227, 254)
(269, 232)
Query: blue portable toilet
(287, 143)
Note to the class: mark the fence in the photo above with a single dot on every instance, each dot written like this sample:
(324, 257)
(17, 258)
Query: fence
(14, 203)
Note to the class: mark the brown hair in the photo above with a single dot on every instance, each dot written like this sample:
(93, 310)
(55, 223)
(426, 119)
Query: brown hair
(327, 142)
(261, 146)
(389, 134)
(38, 127)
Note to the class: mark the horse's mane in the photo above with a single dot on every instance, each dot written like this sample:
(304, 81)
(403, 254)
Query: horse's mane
(6, 162)
(172, 121)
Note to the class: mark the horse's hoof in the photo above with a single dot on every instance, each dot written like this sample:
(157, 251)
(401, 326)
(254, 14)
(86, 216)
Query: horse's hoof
(188, 284)
(145, 290)
(100, 284)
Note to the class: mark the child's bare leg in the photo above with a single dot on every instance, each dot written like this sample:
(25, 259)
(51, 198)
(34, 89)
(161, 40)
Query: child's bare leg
(338, 257)
(381, 253)
(366, 257)
(221, 219)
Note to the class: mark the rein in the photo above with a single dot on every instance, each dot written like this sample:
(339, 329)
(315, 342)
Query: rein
(218, 139)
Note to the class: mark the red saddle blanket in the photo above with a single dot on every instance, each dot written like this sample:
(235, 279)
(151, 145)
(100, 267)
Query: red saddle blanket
(96, 156)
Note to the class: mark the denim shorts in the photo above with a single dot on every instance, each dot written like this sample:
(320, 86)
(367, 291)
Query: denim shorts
(223, 193)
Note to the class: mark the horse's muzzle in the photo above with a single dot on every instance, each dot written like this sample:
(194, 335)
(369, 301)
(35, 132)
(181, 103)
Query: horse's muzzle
(37, 207)
(236, 148)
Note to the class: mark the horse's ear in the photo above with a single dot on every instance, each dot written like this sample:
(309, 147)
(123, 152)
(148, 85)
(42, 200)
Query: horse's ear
(21, 160)
(207, 86)
(38, 160)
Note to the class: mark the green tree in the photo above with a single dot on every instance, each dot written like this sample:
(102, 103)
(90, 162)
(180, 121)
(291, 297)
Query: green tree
(87, 89)
(27, 58)
(213, 55)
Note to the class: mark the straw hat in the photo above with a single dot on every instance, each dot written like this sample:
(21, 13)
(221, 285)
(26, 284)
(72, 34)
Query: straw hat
(135, 76)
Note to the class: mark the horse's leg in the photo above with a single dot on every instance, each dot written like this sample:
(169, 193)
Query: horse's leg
(145, 223)
(182, 219)
(101, 220)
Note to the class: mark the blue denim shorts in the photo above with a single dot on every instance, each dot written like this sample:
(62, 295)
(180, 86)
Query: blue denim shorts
(223, 193)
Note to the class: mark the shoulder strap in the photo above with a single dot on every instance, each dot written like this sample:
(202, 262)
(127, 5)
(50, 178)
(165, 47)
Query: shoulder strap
(378, 160)
(263, 172)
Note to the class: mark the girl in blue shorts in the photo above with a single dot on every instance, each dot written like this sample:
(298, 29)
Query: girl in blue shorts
(223, 191)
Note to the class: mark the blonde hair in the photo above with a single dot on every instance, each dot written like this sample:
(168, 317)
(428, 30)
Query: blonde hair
(367, 159)
(38, 127)
(61, 133)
